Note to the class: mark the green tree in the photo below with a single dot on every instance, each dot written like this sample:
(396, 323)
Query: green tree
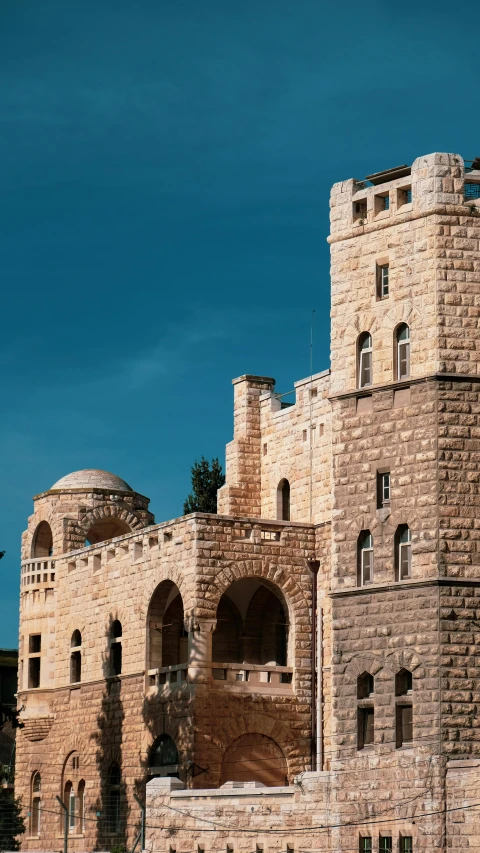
(12, 823)
(206, 479)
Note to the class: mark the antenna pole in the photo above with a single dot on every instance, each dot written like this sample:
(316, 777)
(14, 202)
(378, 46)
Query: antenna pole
(311, 431)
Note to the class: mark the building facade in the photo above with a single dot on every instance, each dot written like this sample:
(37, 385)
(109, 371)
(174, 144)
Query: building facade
(300, 671)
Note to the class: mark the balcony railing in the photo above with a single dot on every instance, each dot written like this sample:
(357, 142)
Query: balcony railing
(167, 677)
(255, 678)
(36, 574)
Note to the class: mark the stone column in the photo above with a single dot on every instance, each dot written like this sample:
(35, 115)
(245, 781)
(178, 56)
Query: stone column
(200, 648)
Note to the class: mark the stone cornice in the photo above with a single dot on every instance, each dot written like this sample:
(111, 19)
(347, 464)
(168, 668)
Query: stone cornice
(406, 383)
(399, 219)
(402, 585)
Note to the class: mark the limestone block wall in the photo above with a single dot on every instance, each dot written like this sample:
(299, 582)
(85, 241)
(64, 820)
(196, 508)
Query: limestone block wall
(296, 445)
(462, 787)
(105, 719)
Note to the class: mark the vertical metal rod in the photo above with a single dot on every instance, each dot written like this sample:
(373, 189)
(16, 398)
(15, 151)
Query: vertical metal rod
(314, 566)
(311, 404)
(65, 827)
(143, 810)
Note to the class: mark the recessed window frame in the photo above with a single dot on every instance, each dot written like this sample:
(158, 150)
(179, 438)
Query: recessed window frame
(365, 558)
(402, 352)
(384, 489)
(403, 553)
(383, 280)
(365, 360)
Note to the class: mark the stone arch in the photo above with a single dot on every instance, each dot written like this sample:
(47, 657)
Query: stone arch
(108, 522)
(363, 663)
(252, 624)
(254, 757)
(177, 577)
(166, 635)
(254, 723)
(405, 659)
(42, 540)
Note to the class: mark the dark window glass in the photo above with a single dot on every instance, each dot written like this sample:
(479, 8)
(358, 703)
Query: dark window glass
(366, 727)
(385, 844)
(116, 659)
(404, 725)
(34, 673)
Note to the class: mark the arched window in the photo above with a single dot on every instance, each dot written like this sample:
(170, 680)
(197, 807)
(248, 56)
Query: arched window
(106, 528)
(402, 351)
(364, 360)
(283, 500)
(116, 648)
(69, 800)
(76, 658)
(403, 553)
(113, 800)
(163, 759)
(365, 558)
(167, 638)
(365, 710)
(35, 803)
(42, 545)
(403, 708)
(81, 806)
(254, 757)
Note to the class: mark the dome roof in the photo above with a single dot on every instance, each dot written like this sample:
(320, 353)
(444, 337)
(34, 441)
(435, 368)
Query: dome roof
(92, 478)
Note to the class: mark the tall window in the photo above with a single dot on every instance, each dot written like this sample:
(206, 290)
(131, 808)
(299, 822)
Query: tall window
(34, 659)
(403, 553)
(116, 648)
(383, 489)
(382, 281)
(113, 803)
(283, 500)
(403, 708)
(35, 804)
(365, 710)
(81, 806)
(70, 803)
(76, 658)
(385, 844)
(365, 558)
(406, 844)
(365, 844)
(163, 757)
(402, 342)
(365, 373)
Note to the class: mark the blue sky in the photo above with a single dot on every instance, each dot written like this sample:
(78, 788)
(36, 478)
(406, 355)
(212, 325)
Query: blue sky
(164, 213)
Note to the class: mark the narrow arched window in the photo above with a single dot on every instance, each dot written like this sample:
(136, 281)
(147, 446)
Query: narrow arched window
(403, 553)
(116, 647)
(364, 359)
(403, 708)
(402, 354)
(113, 803)
(365, 558)
(69, 800)
(283, 500)
(35, 804)
(81, 805)
(76, 658)
(163, 759)
(365, 710)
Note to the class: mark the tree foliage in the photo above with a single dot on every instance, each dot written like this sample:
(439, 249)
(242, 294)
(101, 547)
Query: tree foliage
(206, 479)
(12, 823)
(10, 715)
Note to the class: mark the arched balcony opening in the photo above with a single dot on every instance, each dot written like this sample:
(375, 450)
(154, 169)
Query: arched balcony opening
(167, 638)
(42, 544)
(283, 500)
(252, 633)
(254, 758)
(163, 758)
(106, 528)
(35, 803)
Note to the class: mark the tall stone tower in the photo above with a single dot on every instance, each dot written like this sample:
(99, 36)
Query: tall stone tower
(405, 386)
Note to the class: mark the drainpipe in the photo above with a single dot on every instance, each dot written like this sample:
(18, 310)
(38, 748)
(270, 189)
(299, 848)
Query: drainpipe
(319, 761)
(314, 566)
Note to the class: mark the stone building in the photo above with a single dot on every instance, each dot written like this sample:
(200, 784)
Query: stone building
(299, 672)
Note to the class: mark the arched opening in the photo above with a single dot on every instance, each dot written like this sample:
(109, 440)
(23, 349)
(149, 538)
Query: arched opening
(116, 648)
(283, 500)
(402, 351)
(163, 759)
(81, 806)
(254, 758)
(35, 803)
(403, 708)
(365, 710)
(168, 640)
(42, 544)
(403, 682)
(106, 528)
(252, 625)
(364, 360)
(76, 658)
(113, 799)
(73, 794)
(365, 685)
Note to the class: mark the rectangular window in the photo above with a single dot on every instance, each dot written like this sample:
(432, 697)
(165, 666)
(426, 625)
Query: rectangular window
(75, 667)
(360, 211)
(381, 203)
(35, 644)
(382, 281)
(405, 560)
(383, 489)
(406, 845)
(385, 844)
(116, 658)
(367, 566)
(33, 673)
(365, 845)
(365, 368)
(404, 725)
(366, 727)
